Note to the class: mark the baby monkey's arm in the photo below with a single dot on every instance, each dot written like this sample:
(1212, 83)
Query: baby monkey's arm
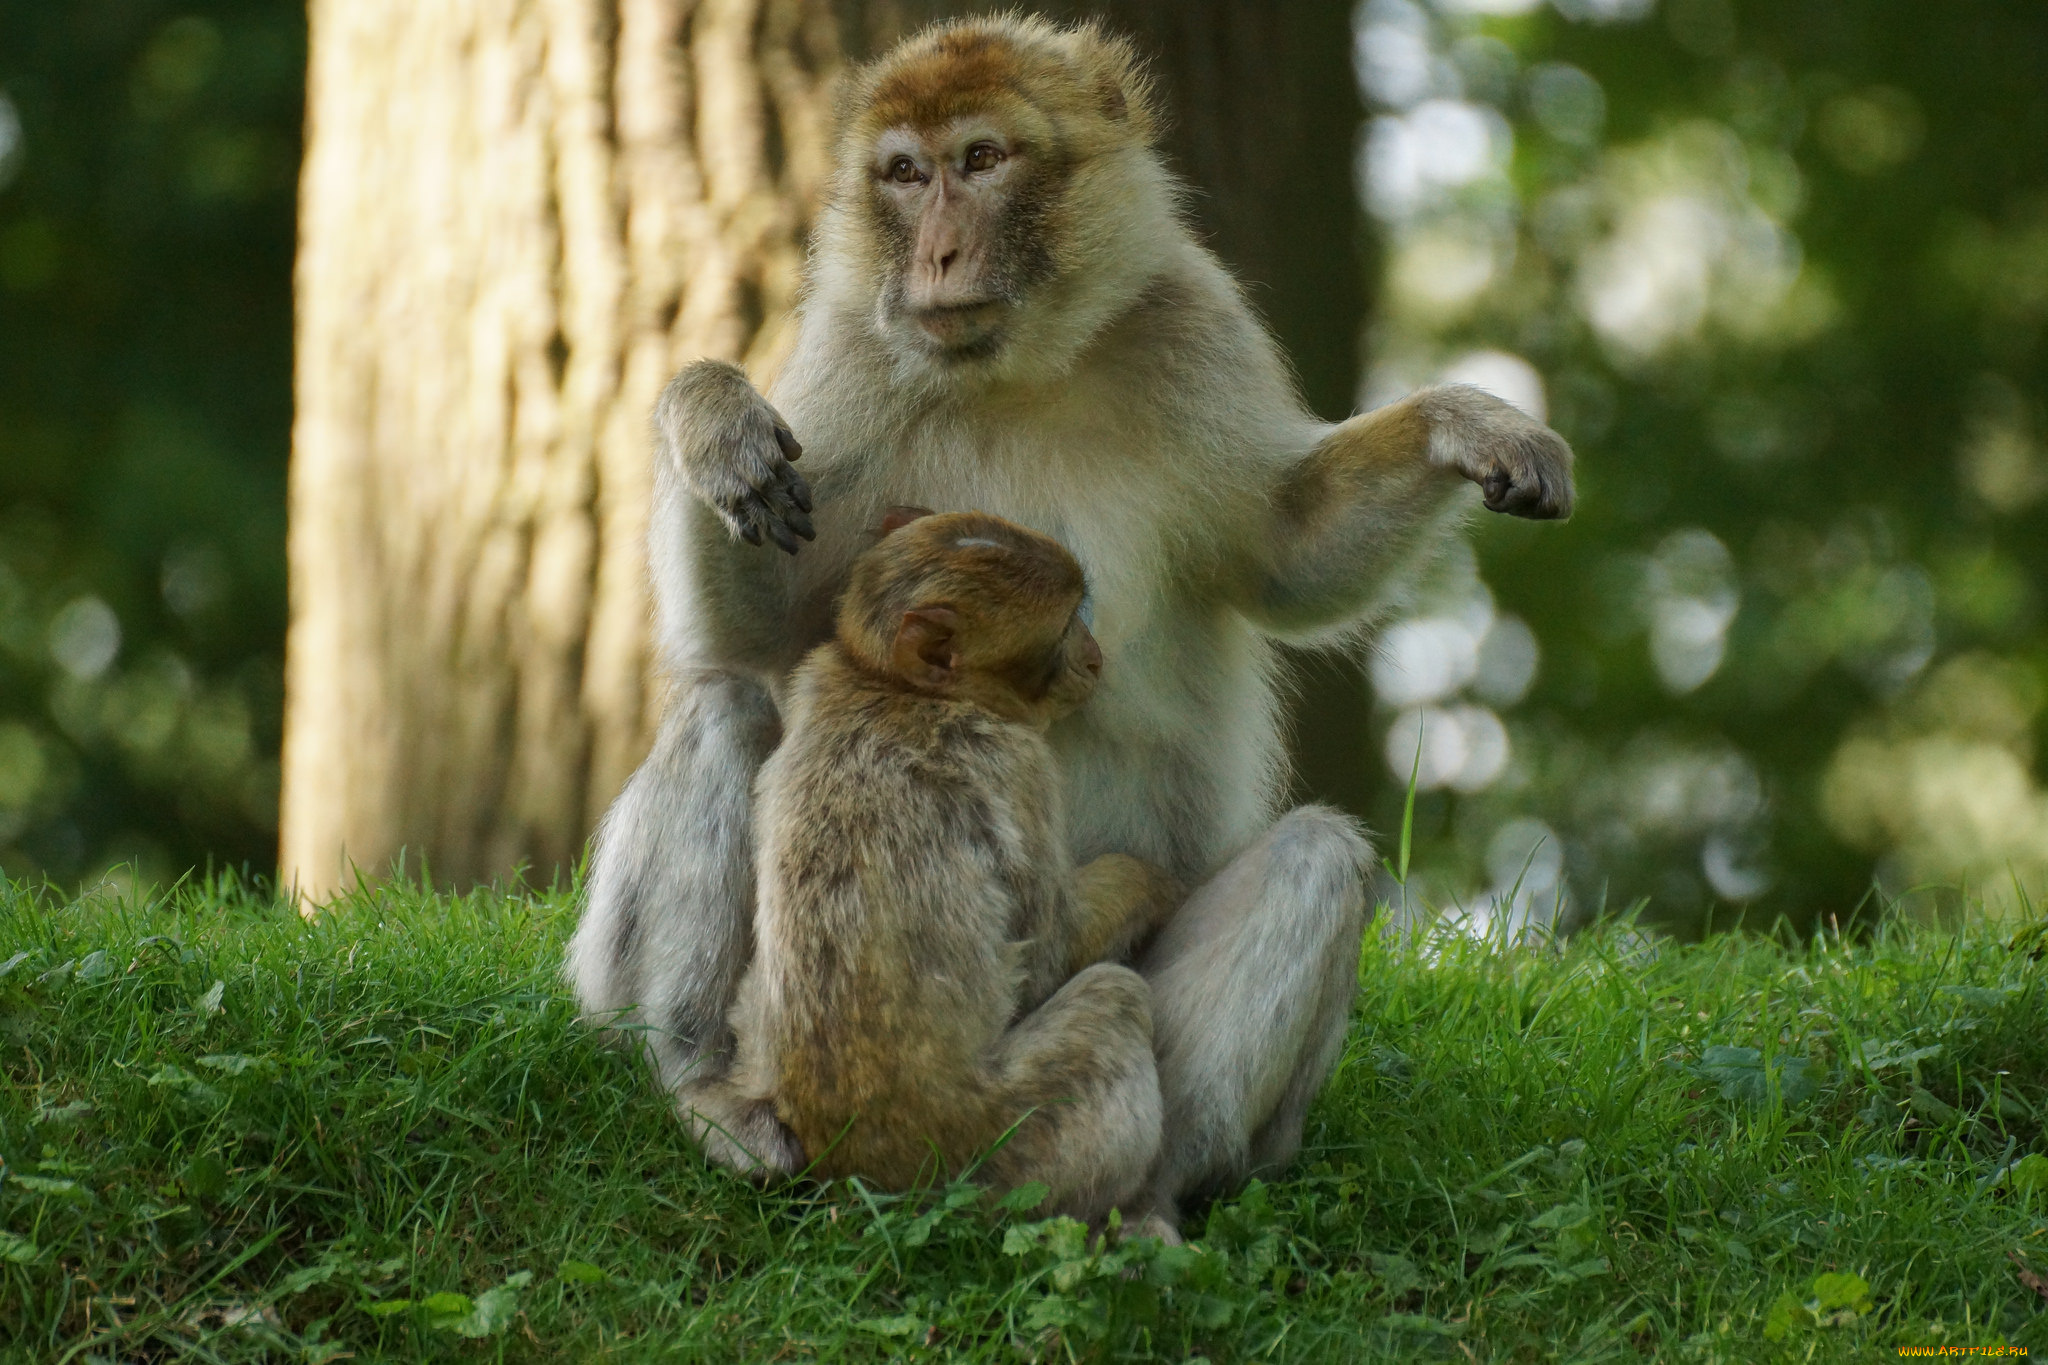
(1119, 900)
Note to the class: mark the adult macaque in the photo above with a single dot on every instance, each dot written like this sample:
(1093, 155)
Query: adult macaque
(928, 967)
(1005, 310)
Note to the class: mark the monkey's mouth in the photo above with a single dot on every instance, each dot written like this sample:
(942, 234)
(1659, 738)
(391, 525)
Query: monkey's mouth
(965, 329)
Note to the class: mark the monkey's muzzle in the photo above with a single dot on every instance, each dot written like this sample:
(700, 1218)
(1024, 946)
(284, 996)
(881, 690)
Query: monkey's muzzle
(961, 326)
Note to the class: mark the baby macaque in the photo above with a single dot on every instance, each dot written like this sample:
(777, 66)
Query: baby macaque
(931, 971)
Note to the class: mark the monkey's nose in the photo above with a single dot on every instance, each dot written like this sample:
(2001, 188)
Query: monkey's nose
(1091, 657)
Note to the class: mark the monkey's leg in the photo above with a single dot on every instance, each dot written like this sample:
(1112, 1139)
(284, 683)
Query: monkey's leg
(1081, 1064)
(739, 1132)
(667, 927)
(1252, 983)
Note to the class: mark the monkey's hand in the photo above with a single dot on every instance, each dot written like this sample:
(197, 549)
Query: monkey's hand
(1522, 466)
(734, 451)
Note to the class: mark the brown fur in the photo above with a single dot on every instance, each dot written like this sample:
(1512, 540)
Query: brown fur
(1042, 335)
(922, 980)
(1019, 68)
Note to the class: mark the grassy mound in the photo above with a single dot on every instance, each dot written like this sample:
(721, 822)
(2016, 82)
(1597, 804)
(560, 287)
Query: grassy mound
(228, 1135)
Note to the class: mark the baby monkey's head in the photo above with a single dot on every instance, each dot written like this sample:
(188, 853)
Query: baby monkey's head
(967, 605)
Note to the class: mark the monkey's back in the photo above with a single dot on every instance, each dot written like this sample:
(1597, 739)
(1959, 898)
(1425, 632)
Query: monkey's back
(907, 842)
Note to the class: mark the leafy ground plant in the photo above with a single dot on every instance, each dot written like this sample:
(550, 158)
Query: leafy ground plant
(229, 1135)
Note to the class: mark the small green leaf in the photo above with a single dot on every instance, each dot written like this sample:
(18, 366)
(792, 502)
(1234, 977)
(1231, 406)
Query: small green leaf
(206, 1176)
(1833, 1293)
(43, 1184)
(234, 1063)
(299, 1281)
(2029, 1174)
(1930, 1106)
(209, 1003)
(385, 1308)
(63, 1113)
(93, 966)
(1415, 1322)
(1742, 1075)
(448, 1302)
(177, 1078)
(1983, 997)
(1024, 1198)
(7, 967)
(1889, 1052)
(890, 1327)
(1561, 1217)
(493, 1311)
(1787, 1315)
(1397, 1274)
(1020, 1239)
(581, 1272)
(17, 1249)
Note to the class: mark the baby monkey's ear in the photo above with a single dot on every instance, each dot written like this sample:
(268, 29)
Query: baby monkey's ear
(924, 650)
(896, 518)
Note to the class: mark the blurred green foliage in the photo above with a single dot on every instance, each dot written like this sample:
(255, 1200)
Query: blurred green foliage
(1779, 270)
(148, 164)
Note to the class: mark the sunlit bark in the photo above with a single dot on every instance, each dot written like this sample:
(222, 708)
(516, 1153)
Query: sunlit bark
(516, 220)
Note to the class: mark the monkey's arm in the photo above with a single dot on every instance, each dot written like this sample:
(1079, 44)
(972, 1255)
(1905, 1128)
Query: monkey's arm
(734, 451)
(1118, 900)
(722, 484)
(1357, 508)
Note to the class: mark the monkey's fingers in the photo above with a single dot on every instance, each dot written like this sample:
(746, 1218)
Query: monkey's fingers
(792, 449)
(777, 502)
(754, 516)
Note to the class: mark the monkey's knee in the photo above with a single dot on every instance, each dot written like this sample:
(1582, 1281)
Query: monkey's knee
(1080, 1072)
(1323, 857)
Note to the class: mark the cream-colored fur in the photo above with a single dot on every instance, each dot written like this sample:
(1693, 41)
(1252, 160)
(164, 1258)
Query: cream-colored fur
(1138, 413)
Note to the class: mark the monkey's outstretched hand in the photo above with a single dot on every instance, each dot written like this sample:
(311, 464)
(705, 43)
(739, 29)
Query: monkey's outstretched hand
(1522, 466)
(734, 452)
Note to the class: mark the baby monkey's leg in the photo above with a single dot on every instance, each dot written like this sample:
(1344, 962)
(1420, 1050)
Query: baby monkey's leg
(1079, 1071)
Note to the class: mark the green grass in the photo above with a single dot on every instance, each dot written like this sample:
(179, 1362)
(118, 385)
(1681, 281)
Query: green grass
(231, 1136)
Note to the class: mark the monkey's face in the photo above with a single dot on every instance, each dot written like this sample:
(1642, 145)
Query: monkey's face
(1075, 666)
(964, 181)
(962, 210)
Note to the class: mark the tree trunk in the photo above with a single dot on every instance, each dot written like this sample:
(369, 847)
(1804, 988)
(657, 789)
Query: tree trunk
(517, 219)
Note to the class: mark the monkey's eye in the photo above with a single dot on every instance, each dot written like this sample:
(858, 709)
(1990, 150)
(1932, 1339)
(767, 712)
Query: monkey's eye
(904, 171)
(984, 156)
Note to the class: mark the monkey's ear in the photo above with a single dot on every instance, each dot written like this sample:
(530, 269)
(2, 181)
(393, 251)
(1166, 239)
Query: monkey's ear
(896, 518)
(924, 645)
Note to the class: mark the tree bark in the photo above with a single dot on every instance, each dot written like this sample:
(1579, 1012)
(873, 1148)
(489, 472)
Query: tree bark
(518, 217)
